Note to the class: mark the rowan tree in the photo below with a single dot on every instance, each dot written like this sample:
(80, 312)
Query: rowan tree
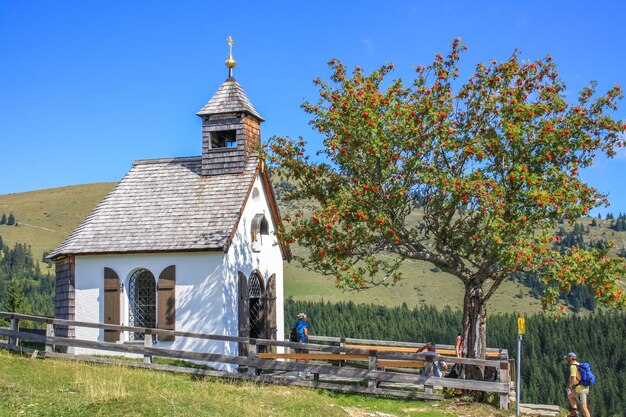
(471, 177)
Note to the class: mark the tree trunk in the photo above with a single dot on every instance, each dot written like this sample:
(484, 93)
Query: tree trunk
(474, 326)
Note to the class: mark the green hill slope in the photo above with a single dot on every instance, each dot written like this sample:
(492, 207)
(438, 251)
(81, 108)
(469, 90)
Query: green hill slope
(46, 217)
(421, 284)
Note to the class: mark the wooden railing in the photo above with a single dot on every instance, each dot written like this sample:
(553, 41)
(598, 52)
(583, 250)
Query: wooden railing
(374, 367)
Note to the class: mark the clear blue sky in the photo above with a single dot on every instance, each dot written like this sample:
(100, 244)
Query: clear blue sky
(86, 87)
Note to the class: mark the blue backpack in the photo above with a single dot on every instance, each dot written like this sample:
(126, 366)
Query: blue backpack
(586, 376)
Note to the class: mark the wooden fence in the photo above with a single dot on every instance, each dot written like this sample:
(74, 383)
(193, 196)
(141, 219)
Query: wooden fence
(372, 367)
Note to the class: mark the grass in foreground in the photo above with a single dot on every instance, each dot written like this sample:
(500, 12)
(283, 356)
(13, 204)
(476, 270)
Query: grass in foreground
(49, 387)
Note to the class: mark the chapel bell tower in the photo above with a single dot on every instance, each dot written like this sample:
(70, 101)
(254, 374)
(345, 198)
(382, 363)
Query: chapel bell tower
(230, 127)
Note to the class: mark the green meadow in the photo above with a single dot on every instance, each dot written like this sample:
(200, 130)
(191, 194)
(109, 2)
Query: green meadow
(54, 387)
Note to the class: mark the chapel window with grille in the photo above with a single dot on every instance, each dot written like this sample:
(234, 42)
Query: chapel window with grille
(142, 301)
(255, 292)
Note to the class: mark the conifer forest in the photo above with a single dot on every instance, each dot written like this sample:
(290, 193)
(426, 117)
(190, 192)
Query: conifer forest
(597, 338)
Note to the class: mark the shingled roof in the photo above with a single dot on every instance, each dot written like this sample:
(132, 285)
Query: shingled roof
(229, 98)
(164, 205)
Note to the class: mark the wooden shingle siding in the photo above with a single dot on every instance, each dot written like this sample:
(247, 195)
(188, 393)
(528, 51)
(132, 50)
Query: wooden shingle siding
(252, 132)
(220, 161)
(65, 295)
(229, 110)
(224, 161)
(166, 308)
(112, 294)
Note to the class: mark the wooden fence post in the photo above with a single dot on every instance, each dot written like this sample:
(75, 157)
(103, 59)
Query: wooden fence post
(429, 371)
(147, 342)
(504, 376)
(342, 343)
(15, 326)
(49, 333)
(373, 364)
(252, 353)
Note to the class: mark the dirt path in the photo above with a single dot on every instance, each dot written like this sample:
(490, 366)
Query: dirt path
(37, 227)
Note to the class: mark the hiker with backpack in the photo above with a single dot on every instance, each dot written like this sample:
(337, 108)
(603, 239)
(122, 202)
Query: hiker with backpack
(435, 366)
(300, 333)
(580, 378)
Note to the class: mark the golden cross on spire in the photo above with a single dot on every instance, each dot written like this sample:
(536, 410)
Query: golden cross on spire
(230, 62)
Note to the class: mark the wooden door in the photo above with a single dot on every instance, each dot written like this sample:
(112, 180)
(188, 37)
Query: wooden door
(112, 294)
(166, 308)
(243, 312)
(270, 310)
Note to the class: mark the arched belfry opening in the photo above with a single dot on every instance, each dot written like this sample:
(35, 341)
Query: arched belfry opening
(142, 301)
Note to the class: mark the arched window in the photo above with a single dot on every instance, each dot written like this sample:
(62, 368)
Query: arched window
(255, 294)
(142, 301)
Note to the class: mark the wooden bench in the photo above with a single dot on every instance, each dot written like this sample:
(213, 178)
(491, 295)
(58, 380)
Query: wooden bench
(381, 363)
(314, 356)
(443, 351)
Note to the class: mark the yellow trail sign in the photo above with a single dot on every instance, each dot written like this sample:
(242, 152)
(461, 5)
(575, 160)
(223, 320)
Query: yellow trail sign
(521, 325)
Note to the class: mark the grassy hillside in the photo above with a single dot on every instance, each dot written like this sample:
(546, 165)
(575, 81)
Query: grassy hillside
(420, 285)
(46, 217)
(47, 387)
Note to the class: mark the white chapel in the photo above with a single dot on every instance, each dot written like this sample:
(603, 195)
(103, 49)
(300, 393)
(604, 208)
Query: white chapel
(183, 243)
